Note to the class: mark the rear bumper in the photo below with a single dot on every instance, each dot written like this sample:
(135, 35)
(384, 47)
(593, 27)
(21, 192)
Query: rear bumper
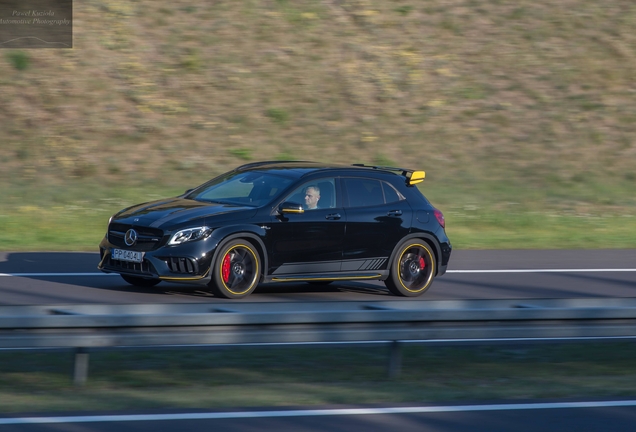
(441, 270)
(446, 249)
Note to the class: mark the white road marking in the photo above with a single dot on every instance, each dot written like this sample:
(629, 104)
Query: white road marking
(584, 270)
(313, 413)
(55, 274)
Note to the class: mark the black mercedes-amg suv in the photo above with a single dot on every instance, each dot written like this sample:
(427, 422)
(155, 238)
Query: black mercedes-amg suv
(284, 221)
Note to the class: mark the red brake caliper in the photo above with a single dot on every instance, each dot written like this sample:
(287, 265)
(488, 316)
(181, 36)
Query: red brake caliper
(225, 268)
(422, 263)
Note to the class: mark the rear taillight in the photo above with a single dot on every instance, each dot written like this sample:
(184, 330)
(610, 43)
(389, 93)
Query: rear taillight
(440, 218)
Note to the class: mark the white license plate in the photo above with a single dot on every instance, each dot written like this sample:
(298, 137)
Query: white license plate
(124, 255)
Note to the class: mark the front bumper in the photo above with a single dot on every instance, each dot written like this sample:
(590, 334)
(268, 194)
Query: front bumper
(188, 263)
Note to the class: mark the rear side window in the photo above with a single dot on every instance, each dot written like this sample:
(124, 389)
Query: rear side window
(363, 192)
(390, 194)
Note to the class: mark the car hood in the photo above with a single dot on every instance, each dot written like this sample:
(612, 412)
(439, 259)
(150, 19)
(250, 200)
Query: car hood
(176, 211)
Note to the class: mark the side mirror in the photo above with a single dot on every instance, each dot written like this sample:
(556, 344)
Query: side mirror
(290, 207)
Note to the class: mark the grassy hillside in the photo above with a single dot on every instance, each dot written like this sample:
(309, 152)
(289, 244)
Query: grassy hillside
(522, 113)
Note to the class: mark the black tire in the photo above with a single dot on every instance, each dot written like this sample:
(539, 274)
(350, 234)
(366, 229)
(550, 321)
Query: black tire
(236, 271)
(412, 269)
(140, 281)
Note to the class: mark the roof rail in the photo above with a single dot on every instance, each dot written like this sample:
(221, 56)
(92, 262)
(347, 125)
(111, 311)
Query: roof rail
(412, 176)
(265, 163)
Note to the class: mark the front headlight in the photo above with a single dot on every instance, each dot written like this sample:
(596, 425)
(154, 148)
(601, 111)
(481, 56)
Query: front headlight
(190, 234)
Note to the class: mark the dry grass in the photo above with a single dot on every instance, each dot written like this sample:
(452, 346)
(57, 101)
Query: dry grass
(536, 97)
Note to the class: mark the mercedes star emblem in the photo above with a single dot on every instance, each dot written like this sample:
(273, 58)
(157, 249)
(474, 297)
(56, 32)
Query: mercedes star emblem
(131, 237)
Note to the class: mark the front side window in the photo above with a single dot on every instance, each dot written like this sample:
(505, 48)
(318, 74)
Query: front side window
(250, 188)
(315, 194)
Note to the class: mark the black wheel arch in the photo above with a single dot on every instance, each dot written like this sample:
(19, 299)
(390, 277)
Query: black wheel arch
(253, 238)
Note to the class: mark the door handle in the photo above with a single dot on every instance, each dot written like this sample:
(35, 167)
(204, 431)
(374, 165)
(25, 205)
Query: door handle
(395, 213)
(333, 216)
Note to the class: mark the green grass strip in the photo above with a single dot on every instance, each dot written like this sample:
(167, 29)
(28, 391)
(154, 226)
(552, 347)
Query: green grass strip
(305, 376)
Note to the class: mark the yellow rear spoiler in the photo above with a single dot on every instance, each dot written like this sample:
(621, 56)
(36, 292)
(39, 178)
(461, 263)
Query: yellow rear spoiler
(413, 177)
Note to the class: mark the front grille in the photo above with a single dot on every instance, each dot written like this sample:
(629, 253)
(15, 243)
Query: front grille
(142, 268)
(182, 265)
(148, 238)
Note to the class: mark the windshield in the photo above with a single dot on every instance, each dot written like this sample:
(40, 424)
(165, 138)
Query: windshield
(249, 188)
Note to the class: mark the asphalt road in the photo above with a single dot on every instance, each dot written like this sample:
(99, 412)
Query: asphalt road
(72, 278)
(41, 278)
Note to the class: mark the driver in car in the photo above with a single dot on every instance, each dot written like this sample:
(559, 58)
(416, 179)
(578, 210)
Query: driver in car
(312, 196)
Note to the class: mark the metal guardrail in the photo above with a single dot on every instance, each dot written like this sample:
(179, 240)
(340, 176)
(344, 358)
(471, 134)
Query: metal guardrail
(85, 327)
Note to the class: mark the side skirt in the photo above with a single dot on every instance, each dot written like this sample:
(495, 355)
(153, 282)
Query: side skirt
(375, 275)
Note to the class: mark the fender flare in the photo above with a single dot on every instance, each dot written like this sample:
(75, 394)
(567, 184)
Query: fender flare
(243, 234)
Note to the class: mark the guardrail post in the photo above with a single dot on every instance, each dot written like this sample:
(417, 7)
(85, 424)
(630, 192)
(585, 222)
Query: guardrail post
(395, 359)
(80, 368)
